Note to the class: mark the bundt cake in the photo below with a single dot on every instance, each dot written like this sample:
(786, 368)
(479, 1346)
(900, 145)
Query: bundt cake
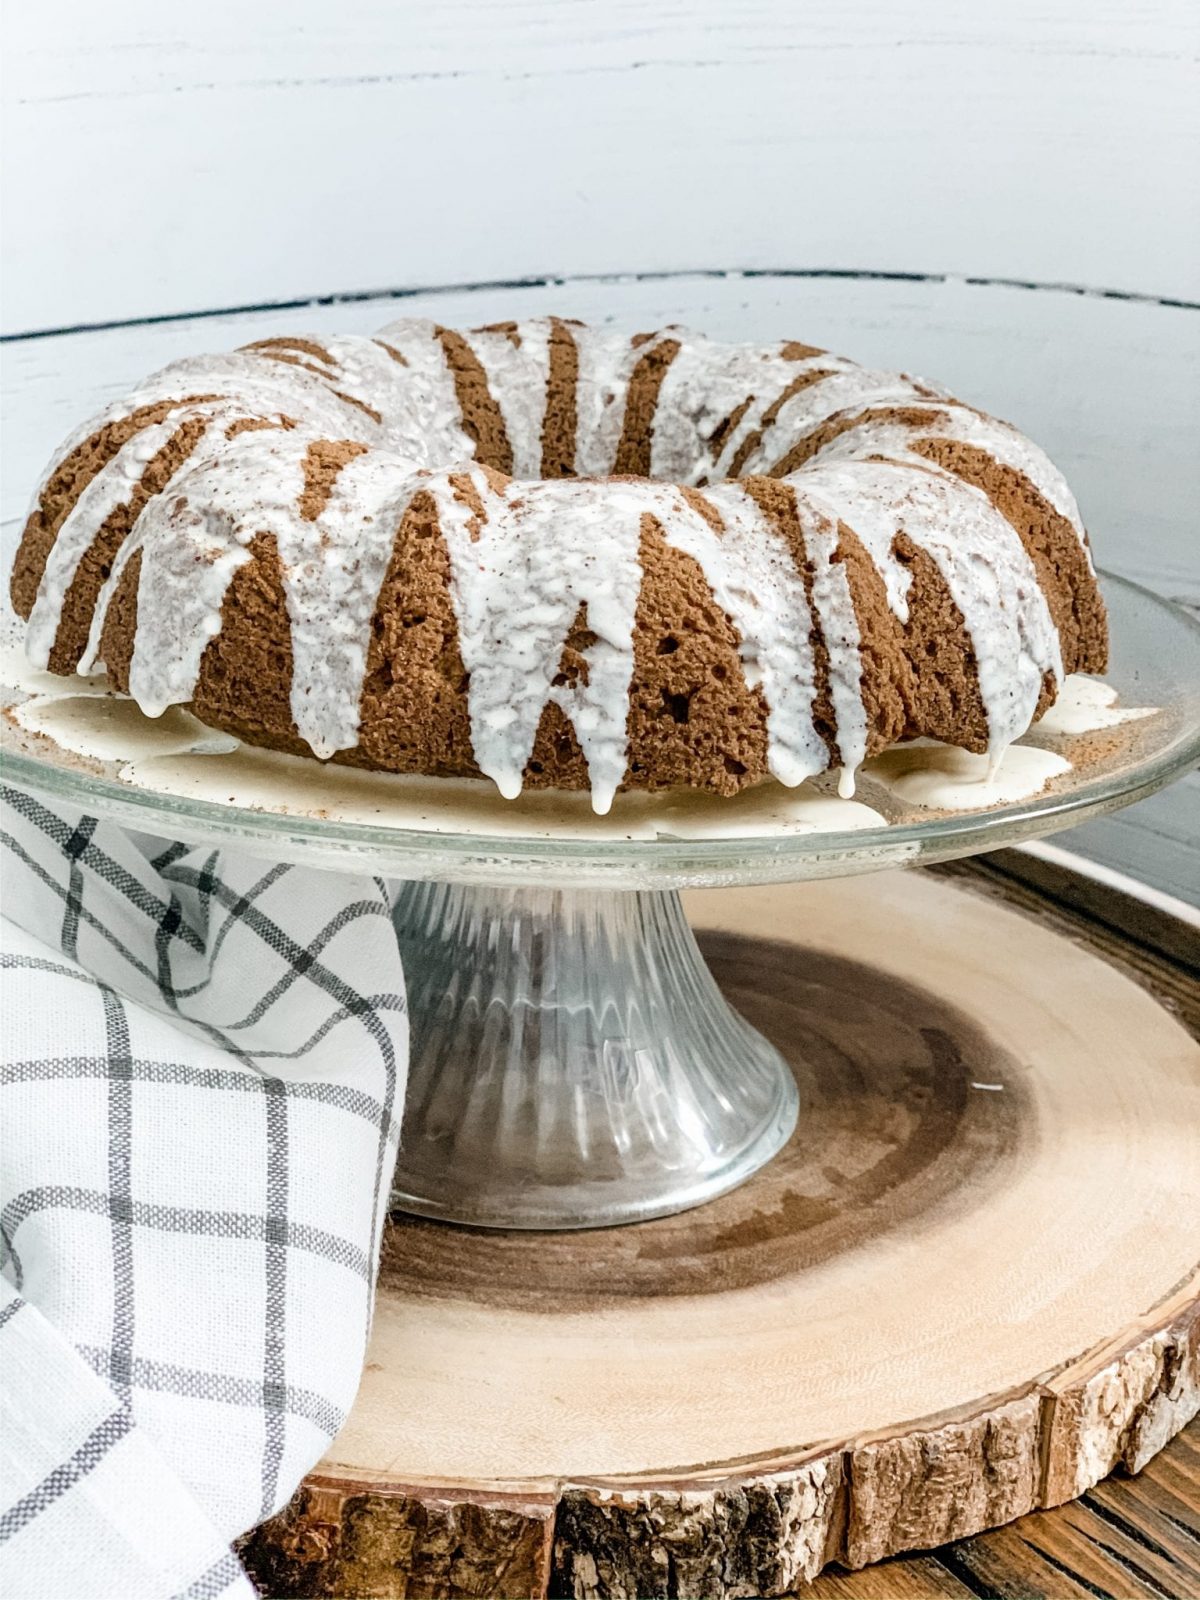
(559, 556)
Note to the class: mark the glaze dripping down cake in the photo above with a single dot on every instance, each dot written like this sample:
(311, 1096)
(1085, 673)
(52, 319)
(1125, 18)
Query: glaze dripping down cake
(559, 556)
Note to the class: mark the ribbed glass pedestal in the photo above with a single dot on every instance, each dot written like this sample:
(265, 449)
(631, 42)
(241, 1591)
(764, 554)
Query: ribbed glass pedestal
(573, 1063)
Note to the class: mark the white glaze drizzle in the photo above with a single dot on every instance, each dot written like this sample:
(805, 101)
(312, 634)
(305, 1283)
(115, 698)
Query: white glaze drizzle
(703, 386)
(985, 566)
(428, 427)
(606, 363)
(846, 387)
(756, 582)
(90, 660)
(517, 378)
(873, 436)
(243, 385)
(518, 582)
(333, 565)
(540, 551)
(112, 487)
(834, 604)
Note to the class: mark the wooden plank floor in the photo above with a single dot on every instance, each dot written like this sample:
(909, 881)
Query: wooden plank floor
(1126, 1539)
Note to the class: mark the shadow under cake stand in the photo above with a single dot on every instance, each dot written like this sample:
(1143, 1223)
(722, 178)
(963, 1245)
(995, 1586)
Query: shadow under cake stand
(966, 1286)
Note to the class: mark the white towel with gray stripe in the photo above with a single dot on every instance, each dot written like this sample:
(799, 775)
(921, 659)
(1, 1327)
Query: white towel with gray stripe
(203, 1064)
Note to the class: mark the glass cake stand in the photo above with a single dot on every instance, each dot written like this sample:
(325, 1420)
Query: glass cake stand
(573, 1063)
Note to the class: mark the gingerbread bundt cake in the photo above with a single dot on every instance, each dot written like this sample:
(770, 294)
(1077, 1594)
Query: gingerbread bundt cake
(563, 557)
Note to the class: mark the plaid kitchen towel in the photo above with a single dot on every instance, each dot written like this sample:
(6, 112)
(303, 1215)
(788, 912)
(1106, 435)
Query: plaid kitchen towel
(203, 1068)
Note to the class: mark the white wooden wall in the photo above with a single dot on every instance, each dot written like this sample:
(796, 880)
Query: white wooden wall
(912, 181)
(171, 157)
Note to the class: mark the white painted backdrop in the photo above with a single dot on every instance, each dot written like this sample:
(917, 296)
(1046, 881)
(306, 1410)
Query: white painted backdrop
(1005, 195)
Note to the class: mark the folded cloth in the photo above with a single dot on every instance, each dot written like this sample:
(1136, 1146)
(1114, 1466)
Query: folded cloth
(203, 1062)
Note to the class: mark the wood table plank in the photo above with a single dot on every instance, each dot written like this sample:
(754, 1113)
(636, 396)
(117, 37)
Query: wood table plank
(1008, 1565)
(911, 1578)
(1097, 1550)
(1150, 1513)
(1172, 1482)
(1127, 1539)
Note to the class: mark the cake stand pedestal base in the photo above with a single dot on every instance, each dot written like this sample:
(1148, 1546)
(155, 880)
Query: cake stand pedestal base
(966, 1288)
(573, 1062)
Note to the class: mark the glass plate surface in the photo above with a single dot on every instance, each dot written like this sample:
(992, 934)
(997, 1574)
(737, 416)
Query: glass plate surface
(1155, 662)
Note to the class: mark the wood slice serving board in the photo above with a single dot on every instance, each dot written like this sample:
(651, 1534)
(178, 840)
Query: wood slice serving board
(969, 1287)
